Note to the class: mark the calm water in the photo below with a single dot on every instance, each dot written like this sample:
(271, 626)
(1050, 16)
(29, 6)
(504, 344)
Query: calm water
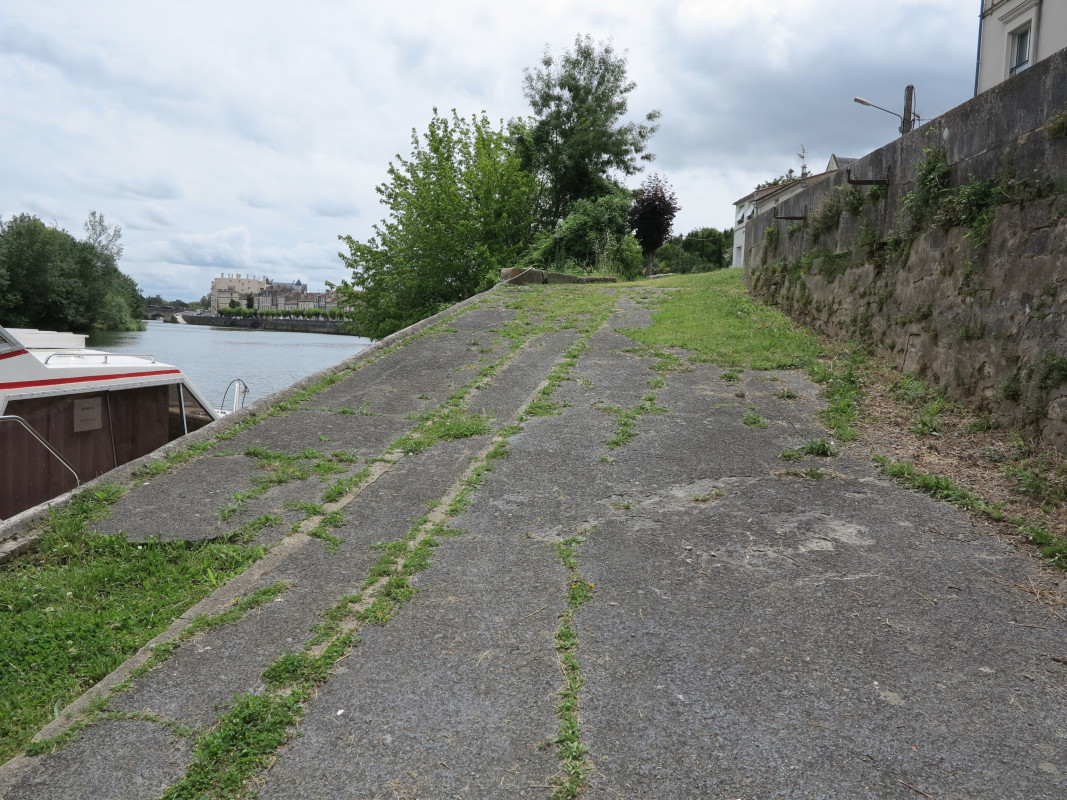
(267, 361)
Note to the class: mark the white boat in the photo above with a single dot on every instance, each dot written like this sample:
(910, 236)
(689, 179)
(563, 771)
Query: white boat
(69, 413)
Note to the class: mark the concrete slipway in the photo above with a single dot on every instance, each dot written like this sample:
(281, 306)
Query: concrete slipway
(751, 632)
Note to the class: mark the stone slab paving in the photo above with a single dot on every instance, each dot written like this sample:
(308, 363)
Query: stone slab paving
(753, 633)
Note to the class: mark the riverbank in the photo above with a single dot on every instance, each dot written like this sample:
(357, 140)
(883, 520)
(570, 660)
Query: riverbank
(516, 552)
(269, 324)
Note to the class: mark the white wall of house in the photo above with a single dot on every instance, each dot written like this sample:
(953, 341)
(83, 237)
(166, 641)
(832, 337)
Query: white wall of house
(1015, 34)
(743, 209)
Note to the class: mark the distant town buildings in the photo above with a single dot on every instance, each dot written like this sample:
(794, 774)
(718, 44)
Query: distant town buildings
(1014, 34)
(266, 294)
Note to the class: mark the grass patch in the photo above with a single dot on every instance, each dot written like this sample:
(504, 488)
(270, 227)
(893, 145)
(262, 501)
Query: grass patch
(711, 315)
(628, 419)
(81, 604)
(444, 428)
(816, 447)
(570, 750)
(842, 379)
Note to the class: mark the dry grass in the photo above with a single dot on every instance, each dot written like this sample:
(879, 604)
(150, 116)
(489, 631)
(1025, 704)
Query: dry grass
(975, 459)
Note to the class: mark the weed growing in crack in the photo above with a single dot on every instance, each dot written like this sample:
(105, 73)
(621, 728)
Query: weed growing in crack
(628, 419)
(816, 447)
(570, 750)
(754, 420)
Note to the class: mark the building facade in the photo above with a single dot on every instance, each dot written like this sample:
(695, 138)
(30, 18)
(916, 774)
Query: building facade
(266, 294)
(234, 287)
(1014, 34)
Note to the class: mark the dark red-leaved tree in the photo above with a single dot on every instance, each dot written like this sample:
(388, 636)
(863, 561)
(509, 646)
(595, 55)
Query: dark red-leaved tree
(651, 216)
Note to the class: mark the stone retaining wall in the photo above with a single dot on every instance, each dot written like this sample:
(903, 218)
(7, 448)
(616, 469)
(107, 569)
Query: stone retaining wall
(956, 269)
(268, 324)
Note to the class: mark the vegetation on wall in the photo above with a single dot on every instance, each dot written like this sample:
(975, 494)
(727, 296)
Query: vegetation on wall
(955, 211)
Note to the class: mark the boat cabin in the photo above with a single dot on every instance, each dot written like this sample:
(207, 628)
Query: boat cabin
(69, 413)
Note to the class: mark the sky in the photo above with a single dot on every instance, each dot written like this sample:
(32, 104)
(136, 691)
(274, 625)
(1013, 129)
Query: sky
(245, 137)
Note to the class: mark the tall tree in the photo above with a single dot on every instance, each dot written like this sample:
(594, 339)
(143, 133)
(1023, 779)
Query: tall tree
(55, 281)
(652, 215)
(103, 237)
(577, 137)
(460, 208)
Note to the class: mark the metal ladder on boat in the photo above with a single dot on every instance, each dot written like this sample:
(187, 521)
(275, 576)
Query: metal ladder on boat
(43, 442)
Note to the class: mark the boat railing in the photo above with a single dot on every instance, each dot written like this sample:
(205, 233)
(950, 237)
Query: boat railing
(43, 442)
(240, 389)
(102, 358)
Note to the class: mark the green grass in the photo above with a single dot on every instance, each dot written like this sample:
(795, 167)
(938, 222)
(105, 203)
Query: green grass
(754, 420)
(81, 604)
(570, 749)
(711, 315)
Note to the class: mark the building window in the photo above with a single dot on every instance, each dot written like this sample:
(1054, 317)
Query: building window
(1019, 54)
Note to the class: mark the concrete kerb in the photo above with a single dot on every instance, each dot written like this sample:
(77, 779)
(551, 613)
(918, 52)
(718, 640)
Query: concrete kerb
(21, 532)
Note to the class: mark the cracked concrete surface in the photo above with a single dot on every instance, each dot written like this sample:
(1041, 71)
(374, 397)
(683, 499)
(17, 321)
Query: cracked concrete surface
(753, 633)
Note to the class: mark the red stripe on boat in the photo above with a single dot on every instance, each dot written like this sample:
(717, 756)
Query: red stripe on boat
(13, 354)
(87, 379)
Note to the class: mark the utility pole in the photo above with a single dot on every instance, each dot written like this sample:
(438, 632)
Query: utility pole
(909, 101)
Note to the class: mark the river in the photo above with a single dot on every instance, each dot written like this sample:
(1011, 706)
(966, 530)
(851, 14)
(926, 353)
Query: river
(267, 361)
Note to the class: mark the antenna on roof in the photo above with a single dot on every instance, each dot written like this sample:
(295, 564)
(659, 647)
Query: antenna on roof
(803, 164)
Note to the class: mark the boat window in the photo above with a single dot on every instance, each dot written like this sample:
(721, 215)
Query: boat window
(186, 413)
(6, 346)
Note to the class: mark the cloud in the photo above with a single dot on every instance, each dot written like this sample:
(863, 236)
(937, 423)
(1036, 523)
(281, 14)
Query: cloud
(230, 248)
(251, 141)
(339, 209)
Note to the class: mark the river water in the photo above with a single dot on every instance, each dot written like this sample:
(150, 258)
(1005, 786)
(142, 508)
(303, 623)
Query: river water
(267, 361)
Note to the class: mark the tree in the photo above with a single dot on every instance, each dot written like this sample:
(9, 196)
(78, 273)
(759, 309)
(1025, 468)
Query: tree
(789, 177)
(577, 137)
(103, 238)
(652, 215)
(54, 281)
(460, 208)
(593, 237)
(700, 250)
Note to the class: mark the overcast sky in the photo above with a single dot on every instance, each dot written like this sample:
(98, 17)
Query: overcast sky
(245, 136)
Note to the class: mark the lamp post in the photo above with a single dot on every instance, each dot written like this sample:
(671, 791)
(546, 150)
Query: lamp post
(909, 117)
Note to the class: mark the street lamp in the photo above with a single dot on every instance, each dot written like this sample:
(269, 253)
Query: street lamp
(908, 119)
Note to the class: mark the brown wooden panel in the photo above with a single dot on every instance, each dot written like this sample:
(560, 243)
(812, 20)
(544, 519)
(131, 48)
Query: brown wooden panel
(28, 473)
(140, 421)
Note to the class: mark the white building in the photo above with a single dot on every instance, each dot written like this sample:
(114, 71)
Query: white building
(1014, 34)
(762, 199)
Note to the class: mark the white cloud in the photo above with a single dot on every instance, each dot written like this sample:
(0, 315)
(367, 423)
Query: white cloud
(246, 136)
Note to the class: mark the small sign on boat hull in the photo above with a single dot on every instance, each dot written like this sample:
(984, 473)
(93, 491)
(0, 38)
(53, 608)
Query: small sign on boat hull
(87, 415)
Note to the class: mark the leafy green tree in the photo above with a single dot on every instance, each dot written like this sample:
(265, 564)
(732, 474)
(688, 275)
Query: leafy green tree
(652, 215)
(54, 281)
(103, 237)
(460, 208)
(577, 137)
(593, 237)
(700, 250)
(788, 177)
